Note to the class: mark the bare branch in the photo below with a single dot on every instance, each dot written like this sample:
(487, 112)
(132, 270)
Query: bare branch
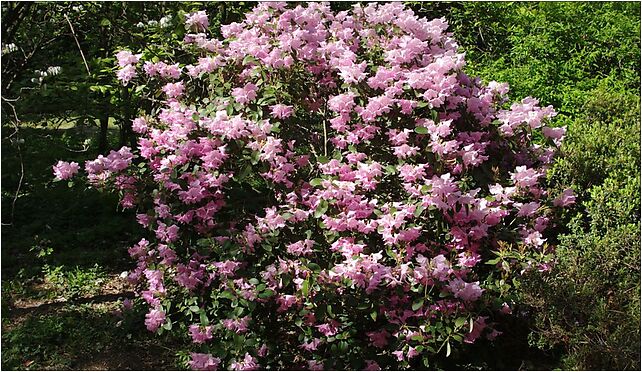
(73, 33)
(16, 124)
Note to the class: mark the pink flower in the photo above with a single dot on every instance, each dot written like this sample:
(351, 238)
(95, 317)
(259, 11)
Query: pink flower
(465, 291)
(263, 350)
(285, 302)
(139, 125)
(556, 134)
(525, 177)
(301, 248)
(441, 267)
(379, 339)
(534, 238)
(248, 364)
(528, 209)
(64, 170)
(398, 354)
(154, 319)
(126, 58)
(126, 74)
(237, 325)
(197, 21)
(353, 73)
(405, 151)
(174, 90)
(167, 234)
(506, 309)
(343, 103)
(311, 346)
(566, 198)
(245, 94)
(478, 326)
(128, 304)
(281, 111)
(314, 365)
(371, 365)
(203, 362)
(200, 334)
(330, 328)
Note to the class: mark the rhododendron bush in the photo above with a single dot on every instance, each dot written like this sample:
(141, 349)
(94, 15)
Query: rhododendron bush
(329, 190)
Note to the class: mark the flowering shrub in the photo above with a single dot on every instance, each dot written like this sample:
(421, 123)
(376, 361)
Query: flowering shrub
(329, 191)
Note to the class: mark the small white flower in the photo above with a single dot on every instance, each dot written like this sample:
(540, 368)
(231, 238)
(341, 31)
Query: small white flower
(165, 21)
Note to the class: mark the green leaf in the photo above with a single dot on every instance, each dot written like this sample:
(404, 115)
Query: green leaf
(426, 362)
(421, 130)
(419, 210)
(448, 349)
(434, 114)
(343, 346)
(194, 309)
(417, 304)
(316, 182)
(322, 159)
(287, 216)
(321, 209)
(227, 294)
(418, 338)
(460, 322)
(329, 310)
(373, 315)
(204, 320)
(248, 59)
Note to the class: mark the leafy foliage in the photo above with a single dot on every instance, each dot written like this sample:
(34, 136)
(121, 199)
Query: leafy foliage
(385, 182)
(581, 57)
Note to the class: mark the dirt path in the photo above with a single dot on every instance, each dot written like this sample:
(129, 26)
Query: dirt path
(82, 333)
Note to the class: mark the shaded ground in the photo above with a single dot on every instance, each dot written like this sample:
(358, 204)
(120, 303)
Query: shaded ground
(62, 255)
(79, 333)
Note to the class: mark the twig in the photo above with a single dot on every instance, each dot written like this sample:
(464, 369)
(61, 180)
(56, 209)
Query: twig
(73, 33)
(22, 168)
(325, 135)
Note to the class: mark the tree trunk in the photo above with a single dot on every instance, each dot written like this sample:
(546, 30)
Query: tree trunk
(126, 134)
(104, 127)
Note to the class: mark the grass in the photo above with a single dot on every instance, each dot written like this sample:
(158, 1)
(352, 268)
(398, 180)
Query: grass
(80, 226)
(62, 256)
(81, 336)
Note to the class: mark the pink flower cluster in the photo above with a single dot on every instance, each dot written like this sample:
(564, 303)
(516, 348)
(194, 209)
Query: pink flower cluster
(127, 63)
(64, 170)
(393, 178)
